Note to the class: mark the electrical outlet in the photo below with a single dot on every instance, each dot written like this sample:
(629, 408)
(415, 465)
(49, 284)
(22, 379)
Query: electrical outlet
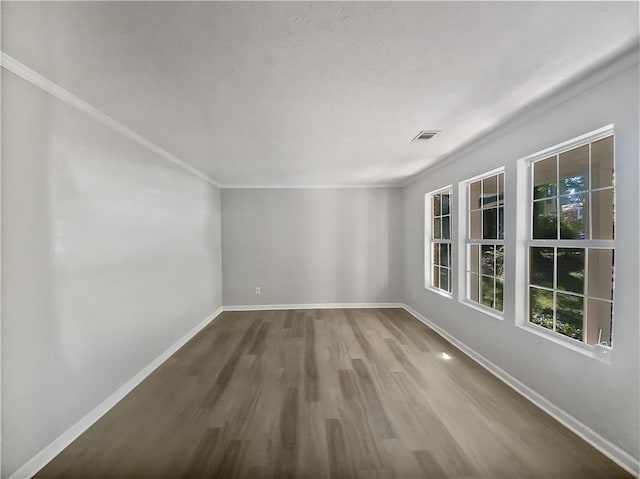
(258, 290)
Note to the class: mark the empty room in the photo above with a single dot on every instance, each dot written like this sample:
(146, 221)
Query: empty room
(384, 240)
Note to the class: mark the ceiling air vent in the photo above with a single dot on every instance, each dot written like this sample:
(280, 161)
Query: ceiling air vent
(426, 135)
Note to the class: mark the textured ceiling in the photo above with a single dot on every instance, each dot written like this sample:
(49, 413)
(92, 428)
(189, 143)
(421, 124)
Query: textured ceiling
(312, 93)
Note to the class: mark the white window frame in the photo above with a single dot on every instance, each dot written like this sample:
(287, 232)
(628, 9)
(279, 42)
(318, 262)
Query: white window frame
(465, 243)
(429, 241)
(598, 351)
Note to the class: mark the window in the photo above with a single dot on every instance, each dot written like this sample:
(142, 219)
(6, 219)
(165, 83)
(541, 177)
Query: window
(439, 244)
(571, 249)
(485, 241)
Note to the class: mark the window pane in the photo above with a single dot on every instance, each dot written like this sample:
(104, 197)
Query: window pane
(436, 277)
(437, 234)
(474, 195)
(571, 269)
(602, 214)
(599, 314)
(446, 230)
(569, 315)
(499, 295)
(499, 261)
(545, 219)
(601, 273)
(490, 223)
(475, 226)
(541, 266)
(444, 254)
(474, 288)
(445, 203)
(602, 163)
(436, 254)
(544, 178)
(501, 188)
(574, 170)
(436, 205)
(541, 307)
(444, 279)
(490, 191)
(486, 283)
(574, 217)
(487, 259)
(474, 258)
(501, 223)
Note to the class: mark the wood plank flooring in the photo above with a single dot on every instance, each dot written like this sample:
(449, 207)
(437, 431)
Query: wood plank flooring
(360, 393)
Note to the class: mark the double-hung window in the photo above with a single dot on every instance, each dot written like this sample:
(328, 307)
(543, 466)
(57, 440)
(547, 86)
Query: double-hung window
(438, 273)
(571, 239)
(485, 241)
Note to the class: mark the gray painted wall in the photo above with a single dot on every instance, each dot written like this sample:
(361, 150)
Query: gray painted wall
(603, 397)
(109, 255)
(312, 245)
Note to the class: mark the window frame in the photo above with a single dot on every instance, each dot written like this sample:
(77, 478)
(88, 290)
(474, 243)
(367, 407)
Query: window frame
(429, 241)
(466, 242)
(584, 244)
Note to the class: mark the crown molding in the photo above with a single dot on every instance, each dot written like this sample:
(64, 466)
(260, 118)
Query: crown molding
(11, 64)
(309, 187)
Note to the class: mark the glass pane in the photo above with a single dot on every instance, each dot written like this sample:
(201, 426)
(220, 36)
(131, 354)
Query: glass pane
(541, 267)
(487, 290)
(490, 223)
(501, 223)
(436, 254)
(601, 273)
(544, 178)
(574, 170)
(475, 231)
(474, 195)
(490, 191)
(501, 188)
(444, 279)
(574, 217)
(500, 261)
(545, 219)
(571, 269)
(499, 295)
(599, 316)
(436, 205)
(602, 214)
(445, 203)
(602, 163)
(437, 234)
(474, 258)
(444, 254)
(569, 314)
(474, 288)
(541, 307)
(487, 259)
(435, 279)
(446, 230)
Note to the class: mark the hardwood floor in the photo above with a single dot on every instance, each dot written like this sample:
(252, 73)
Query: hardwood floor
(325, 394)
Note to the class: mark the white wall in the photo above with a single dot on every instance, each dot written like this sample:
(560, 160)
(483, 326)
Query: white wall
(312, 245)
(604, 397)
(109, 255)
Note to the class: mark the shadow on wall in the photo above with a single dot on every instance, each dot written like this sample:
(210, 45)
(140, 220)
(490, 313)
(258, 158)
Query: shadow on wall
(361, 246)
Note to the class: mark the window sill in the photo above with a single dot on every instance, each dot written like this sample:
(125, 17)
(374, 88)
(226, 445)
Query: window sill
(600, 353)
(439, 291)
(483, 309)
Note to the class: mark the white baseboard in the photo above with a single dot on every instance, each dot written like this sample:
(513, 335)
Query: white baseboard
(613, 452)
(272, 307)
(41, 459)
